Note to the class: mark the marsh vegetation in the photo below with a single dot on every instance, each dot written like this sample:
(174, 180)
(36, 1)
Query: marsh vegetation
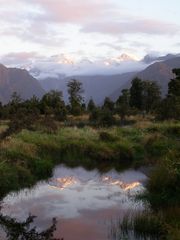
(137, 130)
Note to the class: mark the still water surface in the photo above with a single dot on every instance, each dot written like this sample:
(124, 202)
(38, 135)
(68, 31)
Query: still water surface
(85, 203)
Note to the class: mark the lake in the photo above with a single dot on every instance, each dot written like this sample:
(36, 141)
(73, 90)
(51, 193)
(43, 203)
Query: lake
(86, 203)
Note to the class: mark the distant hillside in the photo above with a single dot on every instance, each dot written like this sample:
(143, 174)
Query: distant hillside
(160, 72)
(14, 79)
(97, 86)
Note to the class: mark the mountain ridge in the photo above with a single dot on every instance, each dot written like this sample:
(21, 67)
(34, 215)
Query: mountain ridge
(20, 81)
(160, 72)
(97, 86)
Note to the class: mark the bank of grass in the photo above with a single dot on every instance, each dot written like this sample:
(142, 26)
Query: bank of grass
(31, 155)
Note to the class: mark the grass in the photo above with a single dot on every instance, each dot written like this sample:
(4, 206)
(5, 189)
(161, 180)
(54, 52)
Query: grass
(38, 152)
(142, 225)
(31, 155)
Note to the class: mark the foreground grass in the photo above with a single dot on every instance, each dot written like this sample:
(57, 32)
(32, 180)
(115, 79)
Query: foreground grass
(31, 155)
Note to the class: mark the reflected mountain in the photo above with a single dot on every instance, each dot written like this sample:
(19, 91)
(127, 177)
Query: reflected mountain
(77, 197)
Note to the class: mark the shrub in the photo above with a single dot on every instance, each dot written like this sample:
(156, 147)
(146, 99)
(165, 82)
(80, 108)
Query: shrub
(156, 145)
(173, 130)
(41, 168)
(106, 118)
(107, 137)
(8, 179)
(163, 185)
(49, 125)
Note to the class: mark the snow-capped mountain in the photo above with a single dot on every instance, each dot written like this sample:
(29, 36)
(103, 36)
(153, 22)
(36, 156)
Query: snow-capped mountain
(100, 77)
(62, 65)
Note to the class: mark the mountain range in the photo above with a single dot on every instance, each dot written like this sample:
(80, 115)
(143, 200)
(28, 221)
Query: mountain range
(100, 86)
(96, 83)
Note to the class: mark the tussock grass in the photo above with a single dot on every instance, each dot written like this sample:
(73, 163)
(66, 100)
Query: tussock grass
(39, 151)
(89, 147)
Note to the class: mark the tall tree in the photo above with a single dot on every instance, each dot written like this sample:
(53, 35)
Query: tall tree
(32, 105)
(170, 106)
(91, 105)
(14, 103)
(136, 93)
(52, 103)
(122, 104)
(151, 95)
(174, 84)
(108, 104)
(75, 92)
(144, 95)
(1, 110)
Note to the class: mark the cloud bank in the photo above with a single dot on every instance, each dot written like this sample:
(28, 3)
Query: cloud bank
(89, 28)
(61, 65)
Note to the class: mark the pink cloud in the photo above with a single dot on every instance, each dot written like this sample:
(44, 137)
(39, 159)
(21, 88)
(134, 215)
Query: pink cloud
(19, 58)
(22, 55)
(132, 27)
(73, 11)
(100, 16)
(67, 25)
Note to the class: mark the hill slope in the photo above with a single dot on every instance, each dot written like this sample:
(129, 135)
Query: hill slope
(20, 81)
(160, 72)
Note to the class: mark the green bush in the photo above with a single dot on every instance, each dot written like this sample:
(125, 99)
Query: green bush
(107, 137)
(163, 185)
(41, 168)
(157, 145)
(8, 179)
(173, 130)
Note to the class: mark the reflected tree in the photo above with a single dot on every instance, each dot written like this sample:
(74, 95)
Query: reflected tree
(25, 231)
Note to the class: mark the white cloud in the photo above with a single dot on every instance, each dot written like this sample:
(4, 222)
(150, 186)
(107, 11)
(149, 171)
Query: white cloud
(132, 27)
(88, 28)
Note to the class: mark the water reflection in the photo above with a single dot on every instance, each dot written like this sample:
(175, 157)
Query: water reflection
(81, 200)
(62, 183)
(121, 184)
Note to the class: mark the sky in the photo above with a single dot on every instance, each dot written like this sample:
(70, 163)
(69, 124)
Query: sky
(32, 30)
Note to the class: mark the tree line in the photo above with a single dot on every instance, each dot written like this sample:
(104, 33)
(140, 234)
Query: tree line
(142, 97)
